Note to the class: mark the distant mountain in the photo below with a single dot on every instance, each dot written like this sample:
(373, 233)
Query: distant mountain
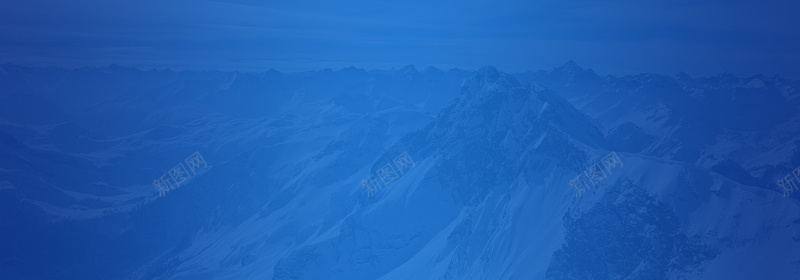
(744, 128)
(488, 195)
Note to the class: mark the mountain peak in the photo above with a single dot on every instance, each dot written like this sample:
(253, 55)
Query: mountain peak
(488, 73)
(572, 70)
(489, 81)
(571, 65)
(409, 69)
(432, 70)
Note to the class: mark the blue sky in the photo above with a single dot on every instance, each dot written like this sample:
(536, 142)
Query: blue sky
(613, 37)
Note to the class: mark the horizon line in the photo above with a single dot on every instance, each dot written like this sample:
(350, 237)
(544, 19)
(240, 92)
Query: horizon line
(569, 63)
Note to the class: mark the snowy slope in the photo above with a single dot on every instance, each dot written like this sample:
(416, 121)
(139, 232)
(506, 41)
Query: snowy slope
(745, 128)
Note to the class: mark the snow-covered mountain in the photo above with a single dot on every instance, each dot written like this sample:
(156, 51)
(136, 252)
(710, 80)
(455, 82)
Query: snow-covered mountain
(745, 128)
(488, 195)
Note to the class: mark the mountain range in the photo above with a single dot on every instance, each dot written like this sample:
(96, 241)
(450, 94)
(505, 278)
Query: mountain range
(490, 194)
